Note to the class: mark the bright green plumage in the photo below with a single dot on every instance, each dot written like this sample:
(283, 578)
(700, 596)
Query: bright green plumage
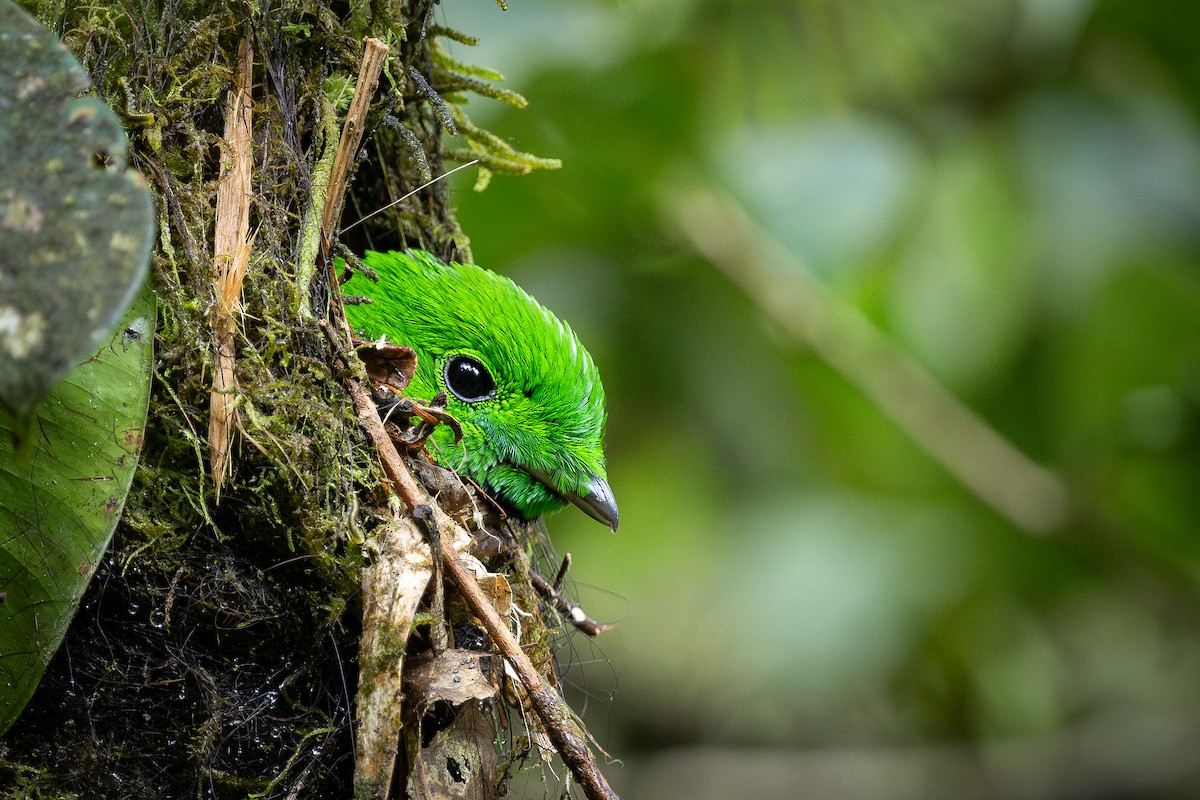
(534, 441)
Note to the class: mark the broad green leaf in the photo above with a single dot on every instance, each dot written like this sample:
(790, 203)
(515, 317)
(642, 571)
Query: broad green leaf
(75, 225)
(59, 505)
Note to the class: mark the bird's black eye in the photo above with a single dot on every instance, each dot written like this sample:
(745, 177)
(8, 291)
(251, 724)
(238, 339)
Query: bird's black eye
(469, 380)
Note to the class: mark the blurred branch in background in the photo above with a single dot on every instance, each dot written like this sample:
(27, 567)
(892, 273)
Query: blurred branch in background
(1029, 495)
(978, 218)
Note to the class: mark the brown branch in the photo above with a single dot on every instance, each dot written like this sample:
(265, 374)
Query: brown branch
(375, 55)
(401, 564)
(231, 259)
(547, 703)
(376, 754)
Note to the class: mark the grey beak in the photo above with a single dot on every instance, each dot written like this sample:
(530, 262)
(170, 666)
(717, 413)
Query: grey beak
(599, 504)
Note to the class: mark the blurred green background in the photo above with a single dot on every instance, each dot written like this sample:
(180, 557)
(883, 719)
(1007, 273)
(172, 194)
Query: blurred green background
(898, 311)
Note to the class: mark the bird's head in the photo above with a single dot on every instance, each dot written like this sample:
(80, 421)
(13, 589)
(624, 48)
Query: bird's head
(523, 388)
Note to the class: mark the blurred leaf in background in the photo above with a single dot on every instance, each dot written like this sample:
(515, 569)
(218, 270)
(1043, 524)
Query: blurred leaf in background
(838, 589)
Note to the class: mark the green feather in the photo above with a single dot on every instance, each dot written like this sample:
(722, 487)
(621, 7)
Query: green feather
(536, 441)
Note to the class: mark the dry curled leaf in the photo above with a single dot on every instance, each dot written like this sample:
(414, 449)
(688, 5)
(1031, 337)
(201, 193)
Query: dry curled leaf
(387, 364)
(455, 676)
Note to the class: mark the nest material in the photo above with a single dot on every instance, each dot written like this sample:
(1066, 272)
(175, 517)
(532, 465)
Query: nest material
(215, 653)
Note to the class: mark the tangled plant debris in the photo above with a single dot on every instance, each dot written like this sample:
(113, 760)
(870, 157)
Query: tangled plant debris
(216, 652)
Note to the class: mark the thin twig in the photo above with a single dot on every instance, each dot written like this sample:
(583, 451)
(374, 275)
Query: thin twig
(1029, 495)
(375, 55)
(231, 260)
(571, 612)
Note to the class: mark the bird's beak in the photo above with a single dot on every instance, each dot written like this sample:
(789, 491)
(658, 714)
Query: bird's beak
(599, 503)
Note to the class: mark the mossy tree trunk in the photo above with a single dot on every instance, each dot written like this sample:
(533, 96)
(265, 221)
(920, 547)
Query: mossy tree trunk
(215, 653)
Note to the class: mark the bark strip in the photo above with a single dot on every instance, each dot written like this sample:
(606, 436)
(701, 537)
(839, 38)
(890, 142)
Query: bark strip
(231, 260)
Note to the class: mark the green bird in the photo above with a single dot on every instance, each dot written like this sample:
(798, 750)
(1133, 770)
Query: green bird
(523, 388)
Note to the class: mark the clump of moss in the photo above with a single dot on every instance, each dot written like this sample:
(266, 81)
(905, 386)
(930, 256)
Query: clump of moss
(214, 653)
